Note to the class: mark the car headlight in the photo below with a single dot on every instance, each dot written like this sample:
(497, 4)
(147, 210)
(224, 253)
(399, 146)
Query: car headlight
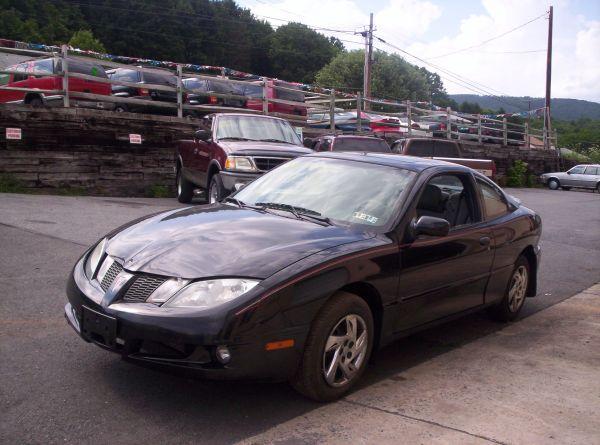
(210, 293)
(239, 163)
(93, 260)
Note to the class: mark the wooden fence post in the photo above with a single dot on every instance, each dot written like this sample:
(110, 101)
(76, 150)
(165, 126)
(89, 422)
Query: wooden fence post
(358, 111)
(479, 128)
(409, 117)
(265, 96)
(527, 144)
(504, 132)
(65, 81)
(179, 91)
(448, 123)
(332, 111)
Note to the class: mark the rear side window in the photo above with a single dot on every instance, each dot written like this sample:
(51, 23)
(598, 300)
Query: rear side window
(493, 200)
(420, 148)
(356, 144)
(4, 79)
(125, 75)
(591, 170)
(254, 91)
(77, 66)
(160, 79)
(446, 150)
(44, 66)
(294, 96)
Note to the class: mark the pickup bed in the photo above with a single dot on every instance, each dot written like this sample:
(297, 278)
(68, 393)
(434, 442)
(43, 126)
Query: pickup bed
(443, 150)
(230, 150)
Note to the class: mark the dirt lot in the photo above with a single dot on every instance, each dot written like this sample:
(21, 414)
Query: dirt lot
(470, 381)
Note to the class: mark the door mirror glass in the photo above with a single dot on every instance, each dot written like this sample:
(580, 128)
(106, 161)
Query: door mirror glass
(431, 226)
(202, 135)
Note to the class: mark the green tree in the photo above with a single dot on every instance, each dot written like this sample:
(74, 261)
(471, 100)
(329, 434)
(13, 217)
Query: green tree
(84, 39)
(297, 52)
(392, 76)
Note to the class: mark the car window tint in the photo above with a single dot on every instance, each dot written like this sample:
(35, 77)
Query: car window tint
(449, 197)
(446, 149)
(219, 86)
(591, 170)
(126, 75)
(254, 91)
(493, 200)
(358, 144)
(420, 148)
(44, 66)
(160, 79)
(294, 96)
(77, 66)
(577, 170)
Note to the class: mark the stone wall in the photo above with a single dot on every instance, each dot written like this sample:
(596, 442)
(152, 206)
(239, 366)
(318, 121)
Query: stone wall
(89, 150)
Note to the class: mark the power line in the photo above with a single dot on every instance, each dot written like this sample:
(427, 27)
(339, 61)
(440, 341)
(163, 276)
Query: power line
(490, 39)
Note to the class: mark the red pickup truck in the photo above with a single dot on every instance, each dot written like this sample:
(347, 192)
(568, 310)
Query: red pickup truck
(230, 150)
(443, 150)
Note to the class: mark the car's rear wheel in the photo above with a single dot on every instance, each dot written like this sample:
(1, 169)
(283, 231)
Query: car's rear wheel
(185, 189)
(216, 189)
(598, 187)
(553, 184)
(337, 349)
(516, 291)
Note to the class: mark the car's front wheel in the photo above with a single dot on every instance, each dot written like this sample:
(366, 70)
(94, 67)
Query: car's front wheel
(216, 189)
(185, 189)
(337, 349)
(553, 184)
(516, 291)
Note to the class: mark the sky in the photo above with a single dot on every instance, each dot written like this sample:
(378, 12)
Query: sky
(450, 34)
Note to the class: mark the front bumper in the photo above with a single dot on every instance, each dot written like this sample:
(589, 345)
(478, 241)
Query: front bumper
(233, 181)
(150, 335)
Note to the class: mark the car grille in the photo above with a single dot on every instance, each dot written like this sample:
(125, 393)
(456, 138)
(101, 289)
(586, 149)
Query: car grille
(266, 164)
(112, 272)
(142, 288)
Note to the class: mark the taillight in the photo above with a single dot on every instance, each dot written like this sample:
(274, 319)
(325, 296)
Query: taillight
(213, 100)
(442, 126)
(143, 92)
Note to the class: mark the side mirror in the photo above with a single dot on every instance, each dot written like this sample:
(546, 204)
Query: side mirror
(430, 225)
(202, 135)
(569, 172)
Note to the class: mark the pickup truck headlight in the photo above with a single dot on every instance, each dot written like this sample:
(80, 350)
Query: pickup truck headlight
(210, 293)
(239, 163)
(91, 265)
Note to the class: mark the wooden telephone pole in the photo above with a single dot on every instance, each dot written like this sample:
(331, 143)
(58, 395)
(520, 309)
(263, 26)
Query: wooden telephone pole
(547, 120)
(368, 35)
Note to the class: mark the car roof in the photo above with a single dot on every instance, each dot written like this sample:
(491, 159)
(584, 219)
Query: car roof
(391, 159)
(350, 136)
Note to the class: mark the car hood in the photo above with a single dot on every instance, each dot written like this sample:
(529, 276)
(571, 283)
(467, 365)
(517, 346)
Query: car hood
(252, 147)
(222, 240)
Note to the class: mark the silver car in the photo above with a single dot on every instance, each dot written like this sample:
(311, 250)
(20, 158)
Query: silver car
(581, 176)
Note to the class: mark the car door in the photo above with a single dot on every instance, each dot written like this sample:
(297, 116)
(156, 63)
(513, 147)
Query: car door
(574, 177)
(591, 176)
(442, 276)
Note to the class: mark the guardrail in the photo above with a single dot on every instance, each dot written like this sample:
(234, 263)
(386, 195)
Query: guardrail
(320, 110)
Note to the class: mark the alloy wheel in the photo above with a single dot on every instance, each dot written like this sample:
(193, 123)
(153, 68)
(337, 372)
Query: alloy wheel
(518, 289)
(213, 193)
(553, 184)
(345, 350)
(179, 188)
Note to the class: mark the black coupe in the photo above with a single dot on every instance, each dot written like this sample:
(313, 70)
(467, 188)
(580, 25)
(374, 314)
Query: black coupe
(304, 272)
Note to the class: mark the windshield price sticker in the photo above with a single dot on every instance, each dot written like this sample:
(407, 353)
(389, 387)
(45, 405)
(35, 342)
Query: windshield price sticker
(135, 138)
(368, 218)
(13, 133)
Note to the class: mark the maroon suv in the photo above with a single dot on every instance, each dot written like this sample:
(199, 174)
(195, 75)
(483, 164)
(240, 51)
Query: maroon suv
(230, 150)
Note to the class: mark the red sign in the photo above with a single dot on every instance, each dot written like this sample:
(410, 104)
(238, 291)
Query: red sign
(13, 133)
(133, 138)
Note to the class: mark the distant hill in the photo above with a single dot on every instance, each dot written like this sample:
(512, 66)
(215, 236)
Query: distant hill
(563, 109)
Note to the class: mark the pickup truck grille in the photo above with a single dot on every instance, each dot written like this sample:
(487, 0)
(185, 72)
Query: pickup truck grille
(266, 164)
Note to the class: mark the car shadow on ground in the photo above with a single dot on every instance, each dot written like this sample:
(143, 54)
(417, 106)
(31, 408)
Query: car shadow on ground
(253, 407)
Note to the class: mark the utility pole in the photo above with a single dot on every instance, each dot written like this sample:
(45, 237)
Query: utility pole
(368, 35)
(547, 120)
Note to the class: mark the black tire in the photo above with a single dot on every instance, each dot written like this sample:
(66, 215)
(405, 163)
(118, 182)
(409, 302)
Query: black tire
(121, 108)
(553, 184)
(36, 102)
(566, 188)
(185, 189)
(598, 187)
(310, 379)
(506, 311)
(216, 189)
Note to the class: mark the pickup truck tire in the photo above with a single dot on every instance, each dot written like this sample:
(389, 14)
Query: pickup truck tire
(216, 190)
(185, 189)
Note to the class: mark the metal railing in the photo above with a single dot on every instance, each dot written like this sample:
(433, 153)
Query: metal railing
(319, 111)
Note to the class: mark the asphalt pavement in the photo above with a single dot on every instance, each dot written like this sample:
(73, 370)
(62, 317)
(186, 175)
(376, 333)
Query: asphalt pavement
(57, 389)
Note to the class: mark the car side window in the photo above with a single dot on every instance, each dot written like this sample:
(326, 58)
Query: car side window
(325, 145)
(493, 201)
(578, 170)
(206, 123)
(450, 197)
(591, 171)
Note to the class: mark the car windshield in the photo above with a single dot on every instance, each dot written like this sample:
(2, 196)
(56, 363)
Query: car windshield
(361, 144)
(256, 128)
(347, 192)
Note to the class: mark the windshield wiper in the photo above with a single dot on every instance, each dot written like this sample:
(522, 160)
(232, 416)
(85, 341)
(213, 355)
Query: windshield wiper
(241, 204)
(298, 212)
(276, 140)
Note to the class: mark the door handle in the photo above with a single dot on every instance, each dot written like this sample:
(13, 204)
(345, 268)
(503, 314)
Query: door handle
(485, 240)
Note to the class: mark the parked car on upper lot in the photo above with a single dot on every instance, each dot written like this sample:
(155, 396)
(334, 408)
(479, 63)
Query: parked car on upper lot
(306, 271)
(444, 150)
(581, 176)
(24, 76)
(143, 93)
(194, 86)
(254, 92)
(231, 150)
(346, 142)
(343, 121)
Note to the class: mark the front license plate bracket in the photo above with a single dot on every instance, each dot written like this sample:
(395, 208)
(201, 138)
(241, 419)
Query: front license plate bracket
(98, 327)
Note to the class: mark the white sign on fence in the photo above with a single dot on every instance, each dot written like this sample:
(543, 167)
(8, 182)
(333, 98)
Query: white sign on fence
(13, 133)
(135, 138)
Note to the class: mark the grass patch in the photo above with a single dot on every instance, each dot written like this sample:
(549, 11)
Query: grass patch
(158, 191)
(10, 184)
